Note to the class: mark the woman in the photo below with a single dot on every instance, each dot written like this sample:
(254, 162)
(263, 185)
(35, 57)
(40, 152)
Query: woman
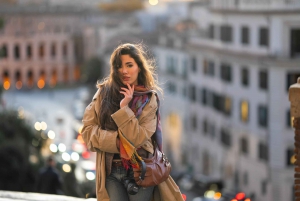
(125, 104)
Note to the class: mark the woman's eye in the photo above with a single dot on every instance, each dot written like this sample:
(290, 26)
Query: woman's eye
(130, 66)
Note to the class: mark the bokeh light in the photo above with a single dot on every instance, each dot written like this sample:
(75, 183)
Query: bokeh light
(43, 125)
(37, 126)
(153, 2)
(51, 134)
(65, 156)
(75, 156)
(53, 148)
(90, 175)
(62, 147)
(66, 168)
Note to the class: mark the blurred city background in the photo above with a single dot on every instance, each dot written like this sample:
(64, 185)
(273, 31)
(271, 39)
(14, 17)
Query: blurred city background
(225, 67)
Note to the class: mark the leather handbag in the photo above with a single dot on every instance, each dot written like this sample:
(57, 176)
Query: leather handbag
(154, 170)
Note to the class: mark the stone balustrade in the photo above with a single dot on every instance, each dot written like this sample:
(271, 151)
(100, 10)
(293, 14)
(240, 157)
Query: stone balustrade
(21, 196)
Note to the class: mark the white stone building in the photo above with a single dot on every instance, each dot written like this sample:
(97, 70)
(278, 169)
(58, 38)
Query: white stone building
(241, 61)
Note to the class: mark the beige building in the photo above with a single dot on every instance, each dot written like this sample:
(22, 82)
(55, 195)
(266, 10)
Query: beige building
(38, 48)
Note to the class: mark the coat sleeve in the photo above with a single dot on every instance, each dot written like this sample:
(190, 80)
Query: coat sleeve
(137, 131)
(93, 136)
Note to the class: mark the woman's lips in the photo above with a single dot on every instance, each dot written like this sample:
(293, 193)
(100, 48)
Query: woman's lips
(125, 78)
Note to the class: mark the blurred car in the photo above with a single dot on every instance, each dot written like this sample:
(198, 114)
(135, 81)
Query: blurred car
(236, 196)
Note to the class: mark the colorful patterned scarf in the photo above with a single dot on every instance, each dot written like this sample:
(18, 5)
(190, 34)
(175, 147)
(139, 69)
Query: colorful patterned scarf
(128, 152)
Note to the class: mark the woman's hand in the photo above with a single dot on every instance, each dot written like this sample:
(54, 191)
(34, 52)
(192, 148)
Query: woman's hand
(128, 94)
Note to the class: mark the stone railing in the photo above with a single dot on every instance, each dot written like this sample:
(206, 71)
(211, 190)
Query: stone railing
(294, 97)
(21, 196)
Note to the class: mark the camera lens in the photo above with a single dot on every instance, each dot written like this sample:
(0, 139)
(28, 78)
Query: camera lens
(132, 189)
(130, 185)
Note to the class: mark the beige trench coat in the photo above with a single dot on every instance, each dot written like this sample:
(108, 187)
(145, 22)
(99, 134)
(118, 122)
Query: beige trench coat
(138, 131)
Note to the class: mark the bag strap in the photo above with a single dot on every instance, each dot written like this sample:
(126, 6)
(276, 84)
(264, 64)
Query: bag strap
(142, 176)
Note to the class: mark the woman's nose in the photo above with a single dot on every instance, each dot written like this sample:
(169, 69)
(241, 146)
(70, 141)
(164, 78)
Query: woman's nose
(123, 70)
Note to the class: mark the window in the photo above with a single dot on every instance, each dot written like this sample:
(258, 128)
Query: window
(194, 122)
(290, 157)
(29, 51)
(205, 126)
(264, 185)
(264, 36)
(205, 67)
(295, 43)
(244, 111)
(245, 35)
(291, 78)
(194, 64)
(41, 50)
(208, 67)
(245, 76)
(226, 33)
(3, 51)
(263, 80)
(17, 52)
(65, 49)
(263, 151)
(212, 130)
(262, 116)
(289, 119)
(226, 72)
(246, 178)
(225, 137)
(211, 29)
(171, 65)
(244, 145)
(227, 105)
(172, 87)
(53, 50)
(204, 98)
(193, 93)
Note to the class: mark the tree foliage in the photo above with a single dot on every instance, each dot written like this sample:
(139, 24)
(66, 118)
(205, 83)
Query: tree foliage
(16, 136)
(93, 70)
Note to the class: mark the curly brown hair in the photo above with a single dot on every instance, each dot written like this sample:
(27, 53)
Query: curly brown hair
(110, 86)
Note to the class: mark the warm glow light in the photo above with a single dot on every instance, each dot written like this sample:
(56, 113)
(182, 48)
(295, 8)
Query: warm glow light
(51, 134)
(86, 155)
(79, 138)
(217, 195)
(244, 111)
(240, 196)
(62, 147)
(80, 129)
(43, 125)
(247, 199)
(53, 148)
(293, 159)
(37, 126)
(66, 168)
(209, 194)
(6, 85)
(153, 2)
(234, 200)
(65, 156)
(41, 84)
(19, 85)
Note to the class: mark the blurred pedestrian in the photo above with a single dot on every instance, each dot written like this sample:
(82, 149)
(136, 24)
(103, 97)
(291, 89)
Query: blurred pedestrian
(126, 101)
(49, 180)
(71, 187)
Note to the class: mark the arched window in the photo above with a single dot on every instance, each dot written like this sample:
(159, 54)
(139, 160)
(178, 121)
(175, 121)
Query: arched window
(30, 79)
(66, 74)
(17, 52)
(18, 80)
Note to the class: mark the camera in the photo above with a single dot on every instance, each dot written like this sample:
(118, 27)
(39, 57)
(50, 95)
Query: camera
(130, 185)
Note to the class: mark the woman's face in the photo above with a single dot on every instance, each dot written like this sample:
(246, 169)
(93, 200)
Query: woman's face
(129, 70)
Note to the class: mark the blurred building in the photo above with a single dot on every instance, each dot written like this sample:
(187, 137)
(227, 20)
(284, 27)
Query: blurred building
(239, 63)
(40, 46)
